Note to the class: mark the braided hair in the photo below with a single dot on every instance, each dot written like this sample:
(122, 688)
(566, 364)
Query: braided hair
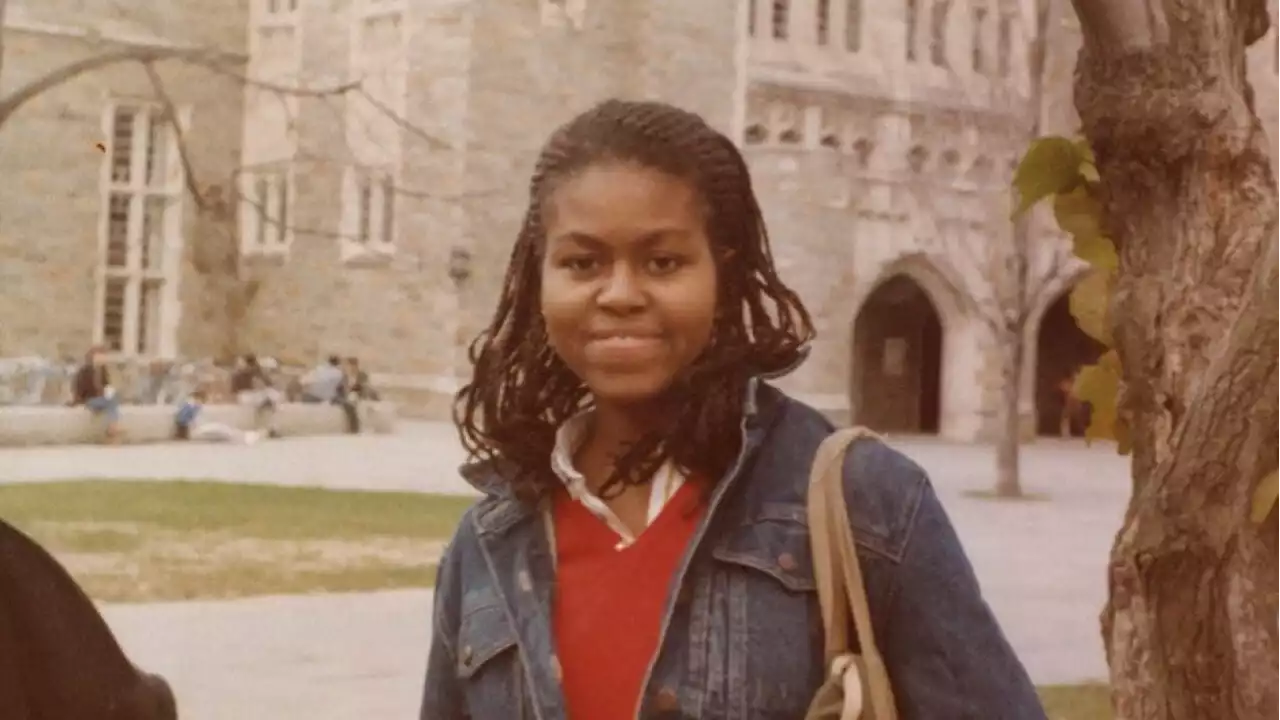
(521, 391)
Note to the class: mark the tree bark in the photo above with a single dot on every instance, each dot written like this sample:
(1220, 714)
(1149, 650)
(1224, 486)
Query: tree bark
(1190, 197)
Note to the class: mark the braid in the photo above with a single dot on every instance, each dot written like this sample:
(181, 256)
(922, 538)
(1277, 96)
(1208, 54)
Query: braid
(521, 391)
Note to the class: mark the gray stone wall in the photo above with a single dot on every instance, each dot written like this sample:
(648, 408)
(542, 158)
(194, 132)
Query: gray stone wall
(51, 209)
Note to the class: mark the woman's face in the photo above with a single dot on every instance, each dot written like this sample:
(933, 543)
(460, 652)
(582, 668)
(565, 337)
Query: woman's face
(628, 279)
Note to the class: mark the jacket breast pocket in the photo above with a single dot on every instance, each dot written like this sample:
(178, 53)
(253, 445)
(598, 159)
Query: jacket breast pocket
(757, 630)
(489, 667)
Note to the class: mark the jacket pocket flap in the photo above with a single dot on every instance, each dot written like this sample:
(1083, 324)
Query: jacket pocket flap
(776, 544)
(483, 635)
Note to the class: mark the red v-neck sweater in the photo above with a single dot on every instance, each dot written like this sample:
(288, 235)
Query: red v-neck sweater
(609, 603)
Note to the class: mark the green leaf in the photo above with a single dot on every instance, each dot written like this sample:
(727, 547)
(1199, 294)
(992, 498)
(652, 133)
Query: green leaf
(1078, 212)
(1050, 166)
(1097, 250)
(1086, 152)
(1089, 301)
(1099, 385)
(1264, 497)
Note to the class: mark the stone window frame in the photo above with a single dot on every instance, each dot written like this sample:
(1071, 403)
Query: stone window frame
(852, 25)
(146, 292)
(979, 53)
(374, 142)
(370, 213)
(268, 197)
(268, 14)
(274, 166)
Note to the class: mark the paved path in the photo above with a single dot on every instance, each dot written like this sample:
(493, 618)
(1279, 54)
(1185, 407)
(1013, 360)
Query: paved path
(361, 656)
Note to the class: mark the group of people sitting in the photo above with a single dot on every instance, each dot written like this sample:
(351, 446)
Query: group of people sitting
(337, 381)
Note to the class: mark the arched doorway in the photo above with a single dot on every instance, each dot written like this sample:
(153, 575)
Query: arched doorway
(897, 363)
(1062, 348)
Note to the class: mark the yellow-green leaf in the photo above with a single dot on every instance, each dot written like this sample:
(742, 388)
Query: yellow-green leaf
(1078, 212)
(1086, 152)
(1088, 303)
(1051, 166)
(1099, 385)
(1264, 497)
(1097, 250)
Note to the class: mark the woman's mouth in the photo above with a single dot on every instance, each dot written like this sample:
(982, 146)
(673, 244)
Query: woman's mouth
(623, 349)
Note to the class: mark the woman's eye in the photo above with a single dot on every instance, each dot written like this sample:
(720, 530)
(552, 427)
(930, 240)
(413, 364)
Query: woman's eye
(578, 264)
(664, 264)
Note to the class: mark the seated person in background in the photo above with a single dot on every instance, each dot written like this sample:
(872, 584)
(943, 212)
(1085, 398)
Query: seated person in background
(321, 384)
(354, 388)
(187, 424)
(252, 386)
(92, 388)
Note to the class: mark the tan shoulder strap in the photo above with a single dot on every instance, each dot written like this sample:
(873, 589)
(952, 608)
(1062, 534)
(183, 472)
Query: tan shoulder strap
(836, 568)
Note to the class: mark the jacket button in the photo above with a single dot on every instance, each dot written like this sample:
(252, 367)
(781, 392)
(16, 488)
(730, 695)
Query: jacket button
(666, 701)
(787, 561)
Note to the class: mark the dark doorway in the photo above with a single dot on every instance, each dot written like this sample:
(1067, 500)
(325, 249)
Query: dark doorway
(897, 360)
(1062, 348)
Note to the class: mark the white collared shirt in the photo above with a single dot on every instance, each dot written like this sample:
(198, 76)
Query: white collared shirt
(666, 481)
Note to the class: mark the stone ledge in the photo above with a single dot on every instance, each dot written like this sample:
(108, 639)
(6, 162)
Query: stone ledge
(53, 425)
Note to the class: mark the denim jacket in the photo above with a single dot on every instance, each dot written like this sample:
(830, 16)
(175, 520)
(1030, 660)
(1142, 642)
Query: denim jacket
(741, 633)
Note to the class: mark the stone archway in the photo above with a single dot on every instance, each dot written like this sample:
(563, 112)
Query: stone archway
(897, 364)
(1062, 348)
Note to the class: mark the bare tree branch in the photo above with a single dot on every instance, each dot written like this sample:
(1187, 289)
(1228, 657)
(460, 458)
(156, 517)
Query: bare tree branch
(179, 134)
(381, 107)
(15, 100)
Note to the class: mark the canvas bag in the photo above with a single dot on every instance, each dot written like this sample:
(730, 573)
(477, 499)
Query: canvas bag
(857, 685)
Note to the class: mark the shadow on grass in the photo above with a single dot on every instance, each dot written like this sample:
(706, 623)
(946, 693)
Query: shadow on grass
(1090, 701)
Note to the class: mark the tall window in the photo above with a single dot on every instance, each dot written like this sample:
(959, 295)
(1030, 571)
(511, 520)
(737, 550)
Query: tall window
(267, 215)
(141, 224)
(374, 134)
(1004, 46)
(912, 27)
(853, 25)
(371, 209)
(780, 19)
(823, 30)
(938, 32)
(270, 133)
(979, 39)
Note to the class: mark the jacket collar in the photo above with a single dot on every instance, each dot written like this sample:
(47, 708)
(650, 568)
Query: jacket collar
(500, 509)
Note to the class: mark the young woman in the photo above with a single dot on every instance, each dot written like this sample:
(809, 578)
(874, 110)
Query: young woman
(642, 549)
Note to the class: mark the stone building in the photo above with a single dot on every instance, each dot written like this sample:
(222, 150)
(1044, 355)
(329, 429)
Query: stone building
(372, 212)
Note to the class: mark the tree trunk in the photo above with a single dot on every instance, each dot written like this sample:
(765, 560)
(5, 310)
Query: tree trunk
(1190, 195)
(1009, 441)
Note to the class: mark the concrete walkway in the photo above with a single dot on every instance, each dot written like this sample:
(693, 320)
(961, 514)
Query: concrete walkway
(1041, 563)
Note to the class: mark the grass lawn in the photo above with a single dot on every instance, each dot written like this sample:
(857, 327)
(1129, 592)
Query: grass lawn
(1077, 702)
(130, 541)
